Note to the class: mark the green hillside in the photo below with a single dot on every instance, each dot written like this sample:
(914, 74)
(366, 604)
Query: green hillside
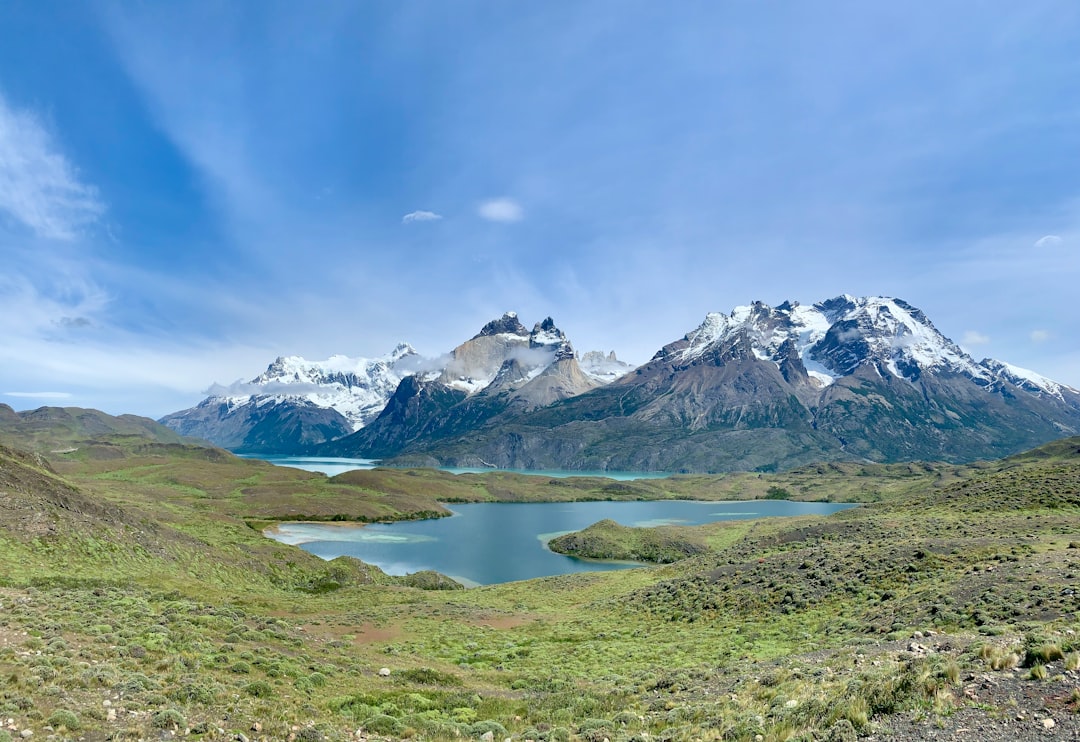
(139, 598)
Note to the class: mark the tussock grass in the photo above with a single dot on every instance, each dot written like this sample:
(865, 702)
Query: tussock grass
(142, 582)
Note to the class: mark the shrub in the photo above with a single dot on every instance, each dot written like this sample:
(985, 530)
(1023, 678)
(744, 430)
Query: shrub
(259, 689)
(842, 731)
(383, 724)
(427, 676)
(167, 719)
(194, 691)
(481, 727)
(64, 718)
(594, 730)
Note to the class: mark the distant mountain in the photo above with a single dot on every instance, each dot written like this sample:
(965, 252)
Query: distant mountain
(503, 371)
(295, 403)
(761, 388)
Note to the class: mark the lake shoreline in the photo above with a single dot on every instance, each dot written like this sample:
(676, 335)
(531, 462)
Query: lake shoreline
(495, 542)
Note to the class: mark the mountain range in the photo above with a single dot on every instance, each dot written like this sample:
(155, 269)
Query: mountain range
(297, 404)
(761, 388)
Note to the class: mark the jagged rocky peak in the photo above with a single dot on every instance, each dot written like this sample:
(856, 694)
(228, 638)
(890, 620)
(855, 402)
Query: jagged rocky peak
(831, 338)
(603, 367)
(546, 336)
(335, 369)
(893, 336)
(475, 363)
(508, 324)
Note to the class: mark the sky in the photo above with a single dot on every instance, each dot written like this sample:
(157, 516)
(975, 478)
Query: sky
(189, 190)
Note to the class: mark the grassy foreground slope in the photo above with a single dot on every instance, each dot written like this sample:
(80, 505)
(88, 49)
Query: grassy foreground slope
(139, 599)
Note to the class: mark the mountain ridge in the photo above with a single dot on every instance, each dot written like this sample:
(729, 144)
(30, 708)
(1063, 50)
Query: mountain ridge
(759, 388)
(296, 404)
(861, 379)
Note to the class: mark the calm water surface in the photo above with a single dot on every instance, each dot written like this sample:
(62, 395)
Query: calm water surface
(486, 543)
(333, 466)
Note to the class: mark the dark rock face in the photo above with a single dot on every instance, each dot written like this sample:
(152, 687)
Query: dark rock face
(508, 324)
(288, 426)
(524, 374)
(416, 409)
(773, 388)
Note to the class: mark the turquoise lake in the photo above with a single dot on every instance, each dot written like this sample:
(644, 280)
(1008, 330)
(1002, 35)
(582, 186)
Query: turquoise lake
(333, 466)
(487, 543)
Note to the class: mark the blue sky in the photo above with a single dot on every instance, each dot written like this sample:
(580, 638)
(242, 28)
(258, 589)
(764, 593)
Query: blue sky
(188, 190)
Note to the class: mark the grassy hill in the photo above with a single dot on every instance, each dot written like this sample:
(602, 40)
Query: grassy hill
(138, 598)
(82, 433)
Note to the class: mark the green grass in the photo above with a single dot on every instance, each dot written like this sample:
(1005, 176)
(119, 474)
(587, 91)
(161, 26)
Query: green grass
(610, 540)
(144, 581)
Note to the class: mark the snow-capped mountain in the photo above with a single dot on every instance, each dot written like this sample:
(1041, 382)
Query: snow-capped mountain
(761, 387)
(864, 379)
(356, 387)
(504, 369)
(296, 402)
(835, 337)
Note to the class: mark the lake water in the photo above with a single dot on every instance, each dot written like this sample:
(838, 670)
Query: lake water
(332, 466)
(486, 543)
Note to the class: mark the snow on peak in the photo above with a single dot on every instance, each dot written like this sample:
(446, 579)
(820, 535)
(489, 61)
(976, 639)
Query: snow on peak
(603, 368)
(358, 388)
(1027, 379)
(905, 340)
(508, 324)
(834, 336)
(547, 334)
(766, 328)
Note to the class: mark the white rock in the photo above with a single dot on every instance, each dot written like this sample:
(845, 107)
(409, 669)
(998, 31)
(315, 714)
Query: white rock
(1048, 723)
(384, 672)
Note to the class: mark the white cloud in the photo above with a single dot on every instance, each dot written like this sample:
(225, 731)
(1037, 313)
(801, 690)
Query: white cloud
(39, 395)
(38, 186)
(1050, 240)
(501, 210)
(420, 216)
(1039, 336)
(973, 338)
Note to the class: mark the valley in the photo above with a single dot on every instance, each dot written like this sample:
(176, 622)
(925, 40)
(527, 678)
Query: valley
(140, 598)
(280, 460)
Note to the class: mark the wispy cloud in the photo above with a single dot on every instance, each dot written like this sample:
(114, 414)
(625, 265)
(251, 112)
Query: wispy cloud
(38, 186)
(420, 216)
(1050, 240)
(503, 209)
(1039, 336)
(39, 395)
(973, 337)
